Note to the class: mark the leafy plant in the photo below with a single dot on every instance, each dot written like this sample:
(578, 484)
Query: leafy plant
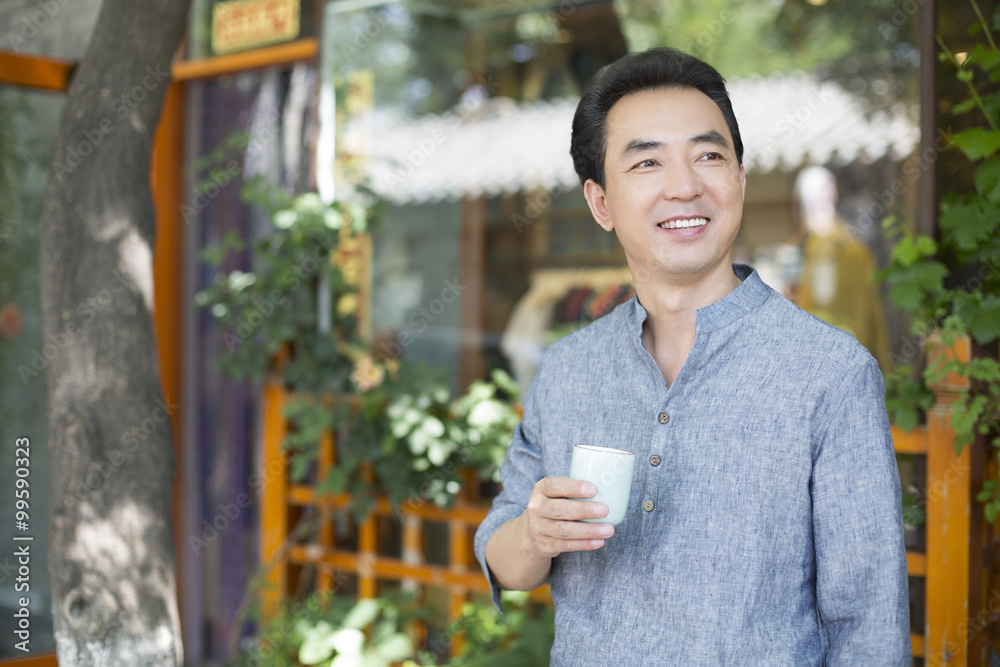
(396, 422)
(410, 433)
(521, 636)
(950, 284)
(336, 631)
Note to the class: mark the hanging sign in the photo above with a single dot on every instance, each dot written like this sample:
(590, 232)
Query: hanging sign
(242, 24)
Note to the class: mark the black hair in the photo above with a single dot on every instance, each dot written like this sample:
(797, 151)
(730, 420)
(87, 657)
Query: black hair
(660, 67)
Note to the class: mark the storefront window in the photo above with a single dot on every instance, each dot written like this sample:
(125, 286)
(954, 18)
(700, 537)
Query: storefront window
(27, 130)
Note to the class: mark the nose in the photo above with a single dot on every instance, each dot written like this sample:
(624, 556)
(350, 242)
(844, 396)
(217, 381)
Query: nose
(682, 182)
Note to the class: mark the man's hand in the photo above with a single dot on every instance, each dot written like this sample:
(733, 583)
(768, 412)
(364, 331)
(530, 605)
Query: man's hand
(520, 552)
(551, 523)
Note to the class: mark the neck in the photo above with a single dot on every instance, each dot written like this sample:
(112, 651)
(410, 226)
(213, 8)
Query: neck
(671, 306)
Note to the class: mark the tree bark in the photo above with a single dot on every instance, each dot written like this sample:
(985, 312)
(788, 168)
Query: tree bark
(110, 533)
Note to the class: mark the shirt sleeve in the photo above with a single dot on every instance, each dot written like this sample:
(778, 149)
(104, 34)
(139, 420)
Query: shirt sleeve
(521, 470)
(861, 574)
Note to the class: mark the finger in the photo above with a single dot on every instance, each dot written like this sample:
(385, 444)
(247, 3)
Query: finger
(573, 530)
(565, 487)
(557, 547)
(571, 510)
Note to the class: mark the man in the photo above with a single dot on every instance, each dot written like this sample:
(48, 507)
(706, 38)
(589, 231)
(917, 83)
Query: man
(764, 525)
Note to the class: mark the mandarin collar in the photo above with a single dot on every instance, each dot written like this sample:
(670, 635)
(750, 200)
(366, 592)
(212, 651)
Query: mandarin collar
(747, 296)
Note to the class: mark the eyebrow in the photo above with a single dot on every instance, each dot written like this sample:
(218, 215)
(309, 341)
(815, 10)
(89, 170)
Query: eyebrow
(709, 137)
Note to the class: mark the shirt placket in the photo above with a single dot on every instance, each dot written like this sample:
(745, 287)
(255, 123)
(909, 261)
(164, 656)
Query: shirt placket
(652, 502)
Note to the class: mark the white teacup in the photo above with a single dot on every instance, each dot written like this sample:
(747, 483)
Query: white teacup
(610, 470)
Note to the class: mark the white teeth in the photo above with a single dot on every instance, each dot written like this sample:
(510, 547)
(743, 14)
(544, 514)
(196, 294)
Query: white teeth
(681, 224)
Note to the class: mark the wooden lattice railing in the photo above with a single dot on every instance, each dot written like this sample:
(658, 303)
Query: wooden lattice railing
(952, 632)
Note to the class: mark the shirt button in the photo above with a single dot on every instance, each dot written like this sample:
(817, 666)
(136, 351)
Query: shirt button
(663, 417)
(648, 506)
(654, 460)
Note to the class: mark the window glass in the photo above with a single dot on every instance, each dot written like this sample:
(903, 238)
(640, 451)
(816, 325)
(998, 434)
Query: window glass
(58, 29)
(427, 105)
(28, 123)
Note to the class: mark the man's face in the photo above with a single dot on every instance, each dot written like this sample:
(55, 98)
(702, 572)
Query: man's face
(673, 188)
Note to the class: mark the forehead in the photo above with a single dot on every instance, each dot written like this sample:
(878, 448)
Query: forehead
(664, 112)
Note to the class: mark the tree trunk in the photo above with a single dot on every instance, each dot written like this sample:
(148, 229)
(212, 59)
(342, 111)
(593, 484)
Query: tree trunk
(111, 543)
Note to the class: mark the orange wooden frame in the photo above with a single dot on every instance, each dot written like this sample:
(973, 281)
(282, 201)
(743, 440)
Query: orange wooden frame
(35, 72)
(461, 576)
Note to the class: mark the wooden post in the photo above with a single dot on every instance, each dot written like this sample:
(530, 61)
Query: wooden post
(949, 507)
(326, 581)
(367, 548)
(273, 470)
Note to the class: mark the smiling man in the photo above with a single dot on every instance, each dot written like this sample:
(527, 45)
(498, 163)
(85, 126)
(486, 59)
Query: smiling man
(764, 525)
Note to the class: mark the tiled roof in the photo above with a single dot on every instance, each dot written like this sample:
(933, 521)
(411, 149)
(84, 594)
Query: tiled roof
(499, 146)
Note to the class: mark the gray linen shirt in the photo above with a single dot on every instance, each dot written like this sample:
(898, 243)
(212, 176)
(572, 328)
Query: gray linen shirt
(775, 535)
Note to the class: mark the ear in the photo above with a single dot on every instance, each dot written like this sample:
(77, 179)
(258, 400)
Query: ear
(598, 205)
(743, 181)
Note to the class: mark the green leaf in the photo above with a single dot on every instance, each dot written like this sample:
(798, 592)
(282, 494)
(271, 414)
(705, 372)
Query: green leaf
(965, 223)
(910, 249)
(911, 285)
(906, 419)
(988, 178)
(335, 482)
(984, 322)
(977, 142)
(965, 106)
(983, 56)
(991, 512)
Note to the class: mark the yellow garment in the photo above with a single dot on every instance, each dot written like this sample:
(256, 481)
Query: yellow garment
(837, 287)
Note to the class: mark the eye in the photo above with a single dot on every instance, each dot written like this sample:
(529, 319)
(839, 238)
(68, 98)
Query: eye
(644, 164)
(712, 157)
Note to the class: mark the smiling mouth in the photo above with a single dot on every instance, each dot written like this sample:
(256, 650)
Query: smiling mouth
(684, 223)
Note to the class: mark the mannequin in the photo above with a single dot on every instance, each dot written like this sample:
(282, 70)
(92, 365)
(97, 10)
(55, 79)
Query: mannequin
(837, 267)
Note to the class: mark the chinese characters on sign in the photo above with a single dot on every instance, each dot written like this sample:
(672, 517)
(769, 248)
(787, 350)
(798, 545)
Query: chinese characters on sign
(241, 24)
